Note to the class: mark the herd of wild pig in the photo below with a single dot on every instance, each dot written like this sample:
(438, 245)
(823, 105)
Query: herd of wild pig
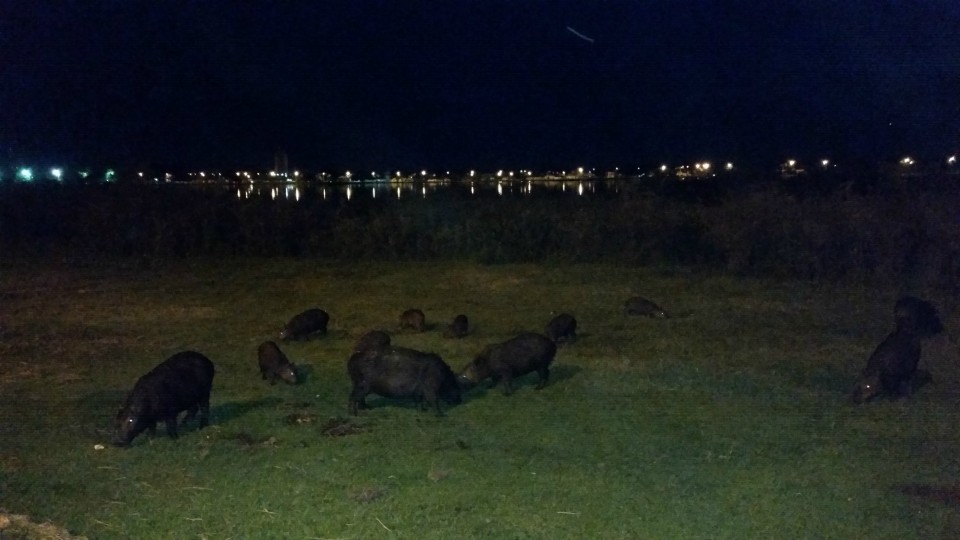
(183, 381)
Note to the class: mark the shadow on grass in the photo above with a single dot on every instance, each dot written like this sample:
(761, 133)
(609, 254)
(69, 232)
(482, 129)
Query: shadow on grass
(304, 372)
(101, 400)
(949, 495)
(558, 374)
(225, 412)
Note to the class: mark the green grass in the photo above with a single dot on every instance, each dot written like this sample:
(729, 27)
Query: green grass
(728, 422)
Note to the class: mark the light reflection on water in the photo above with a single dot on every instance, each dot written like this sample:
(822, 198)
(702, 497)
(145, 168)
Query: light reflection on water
(397, 190)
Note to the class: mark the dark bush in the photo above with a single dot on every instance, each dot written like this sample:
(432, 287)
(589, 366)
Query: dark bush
(892, 230)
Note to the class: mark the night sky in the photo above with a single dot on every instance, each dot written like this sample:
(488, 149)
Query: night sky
(482, 84)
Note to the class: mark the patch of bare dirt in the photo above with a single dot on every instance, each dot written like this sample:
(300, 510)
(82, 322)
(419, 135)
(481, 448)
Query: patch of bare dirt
(341, 427)
(20, 527)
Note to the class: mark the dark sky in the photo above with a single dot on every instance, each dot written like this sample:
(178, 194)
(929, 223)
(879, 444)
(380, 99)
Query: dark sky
(485, 84)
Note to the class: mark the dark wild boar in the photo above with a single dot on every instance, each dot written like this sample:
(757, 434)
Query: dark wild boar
(396, 372)
(374, 339)
(918, 314)
(274, 364)
(306, 324)
(638, 305)
(458, 328)
(513, 358)
(413, 319)
(179, 383)
(562, 328)
(891, 367)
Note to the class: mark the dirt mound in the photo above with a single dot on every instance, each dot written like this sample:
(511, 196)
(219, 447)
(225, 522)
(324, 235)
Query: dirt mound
(19, 527)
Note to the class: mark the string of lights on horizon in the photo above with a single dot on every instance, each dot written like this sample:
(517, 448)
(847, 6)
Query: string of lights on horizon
(699, 169)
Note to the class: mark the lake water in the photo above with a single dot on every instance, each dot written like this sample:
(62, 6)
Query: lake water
(404, 190)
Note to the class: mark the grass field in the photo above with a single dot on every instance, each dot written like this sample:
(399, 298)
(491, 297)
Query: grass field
(729, 421)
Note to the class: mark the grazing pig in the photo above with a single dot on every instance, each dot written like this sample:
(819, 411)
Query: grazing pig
(396, 372)
(457, 328)
(515, 357)
(918, 314)
(274, 364)
(179, 383)
(891, 366)
(638, 305)
(413, 319)
(374, 339)
(305, 324)
(562, 328)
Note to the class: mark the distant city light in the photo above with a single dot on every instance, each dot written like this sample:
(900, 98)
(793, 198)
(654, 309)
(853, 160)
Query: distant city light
(110, 175)
(140, 174)
(56, 172)
(25, 174)
(791, 163)
(663, 168)
(398, 176)
(273, 174)
(499, 173)
(347, 174)
(472, 173)
(824, 162)
(729, 166)
(423, 173)
(84, 174)
(907, 161)
(951, 160)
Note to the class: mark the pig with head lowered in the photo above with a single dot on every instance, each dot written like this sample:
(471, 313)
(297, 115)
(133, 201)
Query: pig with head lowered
(919, 315)
(890, 368)
(396, 372)
(274, 364)
(457, 328)
(179, 383)
(374, 339)
(526, 353)
(562, 328)
(305, 324)
(413, 319)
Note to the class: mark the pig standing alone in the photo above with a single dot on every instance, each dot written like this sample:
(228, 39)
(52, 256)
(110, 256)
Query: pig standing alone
(562, 328)
(638, 305)
(305, 324)
(413, 319)
(513, 358)
(457, 328)
(179, 383)
(374, 339)
(396, 372)
(274, 364)
(892, 368)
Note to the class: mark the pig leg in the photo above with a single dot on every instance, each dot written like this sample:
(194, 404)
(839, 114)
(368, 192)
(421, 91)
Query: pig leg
(544, 375)
(205, 413)
(360, 391)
